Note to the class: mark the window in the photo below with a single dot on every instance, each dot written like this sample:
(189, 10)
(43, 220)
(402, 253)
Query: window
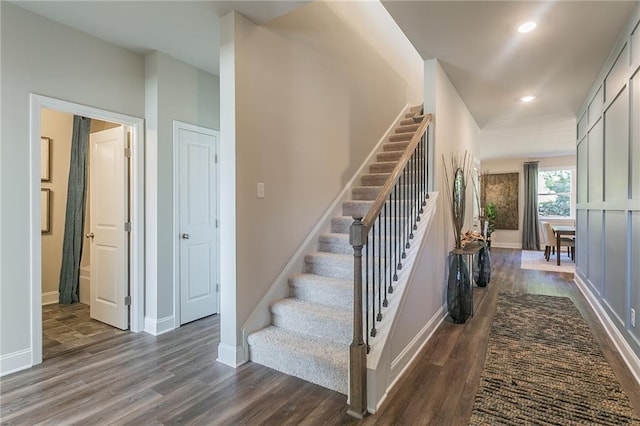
(555, 193)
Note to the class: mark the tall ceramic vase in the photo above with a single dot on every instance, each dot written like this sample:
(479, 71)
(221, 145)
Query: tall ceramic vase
(482, 267)
(459, 297)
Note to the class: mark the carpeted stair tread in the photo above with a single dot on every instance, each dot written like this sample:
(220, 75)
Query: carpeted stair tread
(323, 290)
(374, 179)
(395, 146)
(360, 208)
(329, 265)
(415, 108)
(341, 224)
(409, 128)
(407, 121)
(316, 360)
(365, 192)
(335, 243)
(400, 137)
(382, 167)
(389, 156)
(313, 319)
(356, 208)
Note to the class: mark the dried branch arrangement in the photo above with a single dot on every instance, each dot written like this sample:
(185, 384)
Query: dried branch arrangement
(456, 175)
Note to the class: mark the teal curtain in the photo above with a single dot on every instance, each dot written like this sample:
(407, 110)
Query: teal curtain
(530, 236)
(74, 217)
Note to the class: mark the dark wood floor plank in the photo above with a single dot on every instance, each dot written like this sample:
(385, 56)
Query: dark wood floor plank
(135, 378)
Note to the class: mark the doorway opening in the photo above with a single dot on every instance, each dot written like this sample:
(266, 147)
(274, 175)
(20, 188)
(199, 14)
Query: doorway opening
(81, 179)
(133, 252)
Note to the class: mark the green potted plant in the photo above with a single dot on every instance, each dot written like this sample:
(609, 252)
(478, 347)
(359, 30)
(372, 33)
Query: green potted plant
(490, 218)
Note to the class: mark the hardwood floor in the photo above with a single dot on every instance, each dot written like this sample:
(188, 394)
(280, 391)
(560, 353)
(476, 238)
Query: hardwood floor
(69, 327)
(173, 378)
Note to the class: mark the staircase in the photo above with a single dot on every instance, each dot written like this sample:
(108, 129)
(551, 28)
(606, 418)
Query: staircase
(311, 330)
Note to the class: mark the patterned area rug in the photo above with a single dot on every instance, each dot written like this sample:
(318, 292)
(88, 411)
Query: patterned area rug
(543, 366)
(535, 260)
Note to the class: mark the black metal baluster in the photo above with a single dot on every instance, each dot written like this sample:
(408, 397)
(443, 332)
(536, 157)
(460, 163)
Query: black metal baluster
(366, 291)
(373, 281)
(389, 244)
(426, 163)
(396, 237)
(379, 221)
(413, 194)
(405, 215)
(401, 215)
(416, 192)
(385, 302)
(422, 187)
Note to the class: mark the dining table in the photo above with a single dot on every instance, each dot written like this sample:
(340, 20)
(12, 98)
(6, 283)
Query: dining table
(561, 230)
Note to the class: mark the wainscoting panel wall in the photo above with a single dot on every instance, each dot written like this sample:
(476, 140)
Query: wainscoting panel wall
(594, 170)
(582, 157)
(582, 256)
(608, 170)
(635, 135)
(635, 269)
(594, 266)
(615, 266)
(616, 148)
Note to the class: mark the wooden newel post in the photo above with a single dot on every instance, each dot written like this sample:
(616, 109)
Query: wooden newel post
(357, 350)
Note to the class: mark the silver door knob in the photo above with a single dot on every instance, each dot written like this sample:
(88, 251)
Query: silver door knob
(89, 235)
(185, 236)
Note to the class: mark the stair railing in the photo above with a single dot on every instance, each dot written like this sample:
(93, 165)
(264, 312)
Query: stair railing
(386, 233)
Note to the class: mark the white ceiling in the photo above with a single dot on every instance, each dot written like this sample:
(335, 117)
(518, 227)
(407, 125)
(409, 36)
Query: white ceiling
(489, 63)
(492, 65)
(187, 30)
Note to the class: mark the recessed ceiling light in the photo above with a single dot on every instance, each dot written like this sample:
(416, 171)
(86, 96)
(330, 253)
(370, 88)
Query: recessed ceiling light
(527, 26)
(527, 98)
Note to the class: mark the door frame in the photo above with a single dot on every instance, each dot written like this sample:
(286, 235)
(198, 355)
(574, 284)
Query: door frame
(136, 209)
(177, 126)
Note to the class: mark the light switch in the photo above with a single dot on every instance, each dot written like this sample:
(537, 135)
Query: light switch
(260, 191)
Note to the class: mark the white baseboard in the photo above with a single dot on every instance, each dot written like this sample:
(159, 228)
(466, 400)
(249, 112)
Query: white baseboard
(160, 326)
(14, 362)
(627, 354)
(232, 356)
(50, 297)
(496, 244)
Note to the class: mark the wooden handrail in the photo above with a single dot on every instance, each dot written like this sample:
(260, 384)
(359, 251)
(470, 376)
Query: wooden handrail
(383, 195)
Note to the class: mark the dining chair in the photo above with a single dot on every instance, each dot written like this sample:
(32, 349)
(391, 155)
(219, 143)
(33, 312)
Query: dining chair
(545, 240)
(550, 240)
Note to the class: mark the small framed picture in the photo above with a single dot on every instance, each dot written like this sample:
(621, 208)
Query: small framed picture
(45, 210)
(45, 159)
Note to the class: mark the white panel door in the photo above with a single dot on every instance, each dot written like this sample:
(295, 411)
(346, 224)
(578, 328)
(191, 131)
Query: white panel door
(197, 201)
(108, 213)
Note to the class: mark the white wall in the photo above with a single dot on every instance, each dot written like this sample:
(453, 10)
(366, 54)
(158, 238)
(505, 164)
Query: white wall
(311, 98)
(174, 91)
(39, 56)
(608, 210)
(373, 22)
(513, 238)
(455, 132)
